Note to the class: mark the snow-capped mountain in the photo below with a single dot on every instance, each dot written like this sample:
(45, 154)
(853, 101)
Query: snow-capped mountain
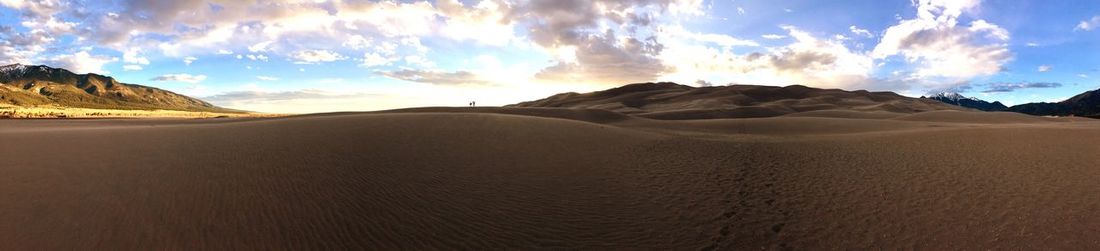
(955, 98)
(950, 96)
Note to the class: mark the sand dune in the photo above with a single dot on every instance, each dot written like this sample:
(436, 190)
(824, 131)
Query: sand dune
(977, 117)
(846, 114)
(670, 101)
(515, 178)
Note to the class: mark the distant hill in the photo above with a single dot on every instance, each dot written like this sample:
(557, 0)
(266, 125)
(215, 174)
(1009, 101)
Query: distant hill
(38, 85)
(960, 100)
(673, 101)
(1086, 104)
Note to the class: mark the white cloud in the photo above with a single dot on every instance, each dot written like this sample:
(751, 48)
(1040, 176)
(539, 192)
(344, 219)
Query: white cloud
(436, 77)
(485, 22)
(718, 39)
(260, 47)
(1044, 68)
(1083, 75)
(992, 30)
(183, 77)
(267, 78)
(256, 57)
(131, 67)
(808, 61)
(315, 56)
(1087, 25)
(132, 56)
(773, 36)
(594, 42)
(1032, 44)
(941, 47)
(860, 32)
(374, 59)
(81, 62)
(189, 60)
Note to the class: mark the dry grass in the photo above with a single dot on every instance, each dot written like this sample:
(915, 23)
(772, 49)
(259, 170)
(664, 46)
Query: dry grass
(9, 111)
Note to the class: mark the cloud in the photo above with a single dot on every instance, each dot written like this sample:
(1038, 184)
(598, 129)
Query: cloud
(256, 96)
(257, 57)
(1044, 68)
(1032, 44)
(131, 67)
(435, 77)
(773, 36)
(584, 42)
(860, 32)
(260, 47)
(601, 42)
(1087, 25)
(718, 39)
(315, 56)
(189, 60)
(1010, 87)
(132, 56)
(42, 28)
(187, 78)
(956, 88)
(1083, 75)
(486, 22)
(267, 78)
(809, 60)
(81, 62)
(941, 47)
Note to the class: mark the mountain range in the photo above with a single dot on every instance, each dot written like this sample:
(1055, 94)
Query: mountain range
(1086, 104)
(39, 85)
(960, 100)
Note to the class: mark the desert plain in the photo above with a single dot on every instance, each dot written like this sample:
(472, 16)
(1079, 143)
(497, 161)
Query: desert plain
(545, 178)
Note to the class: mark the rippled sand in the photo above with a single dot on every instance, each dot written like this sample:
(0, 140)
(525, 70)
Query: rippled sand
(500, 179)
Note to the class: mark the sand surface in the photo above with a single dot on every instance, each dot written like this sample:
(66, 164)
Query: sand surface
(451, 178)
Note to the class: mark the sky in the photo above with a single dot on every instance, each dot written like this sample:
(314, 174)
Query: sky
(303, 56)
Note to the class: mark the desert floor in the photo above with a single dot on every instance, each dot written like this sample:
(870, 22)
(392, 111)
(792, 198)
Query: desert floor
(499, 178)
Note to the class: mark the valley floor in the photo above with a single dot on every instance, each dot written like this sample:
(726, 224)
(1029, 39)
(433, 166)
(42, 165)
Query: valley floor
(510, 178)
(66, 112)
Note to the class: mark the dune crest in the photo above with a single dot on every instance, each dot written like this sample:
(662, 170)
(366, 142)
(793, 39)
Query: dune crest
(672, 101)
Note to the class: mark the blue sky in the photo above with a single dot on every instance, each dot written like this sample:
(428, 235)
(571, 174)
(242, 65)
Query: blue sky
(296, 56)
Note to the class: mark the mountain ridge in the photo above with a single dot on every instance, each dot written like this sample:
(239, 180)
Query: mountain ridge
(955, 98)
(40, 85)
(1086, 104)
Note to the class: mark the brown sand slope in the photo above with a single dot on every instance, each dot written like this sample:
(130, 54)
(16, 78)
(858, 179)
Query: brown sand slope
(447, 179)
(670, 101)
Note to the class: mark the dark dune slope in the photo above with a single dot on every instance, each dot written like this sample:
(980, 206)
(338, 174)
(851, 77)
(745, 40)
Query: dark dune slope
(673, 101)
